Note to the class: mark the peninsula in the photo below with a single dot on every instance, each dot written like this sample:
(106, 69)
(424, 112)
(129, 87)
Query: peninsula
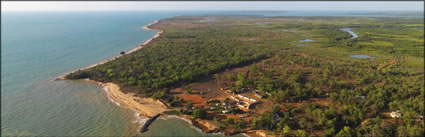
(249, 75)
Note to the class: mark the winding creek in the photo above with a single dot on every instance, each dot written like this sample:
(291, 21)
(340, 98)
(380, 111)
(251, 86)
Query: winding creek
(354, 35)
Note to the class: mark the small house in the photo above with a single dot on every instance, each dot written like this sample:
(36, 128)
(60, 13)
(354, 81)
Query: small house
(395, 114)
(244, 116)
(225, 111)
(257, 94)
(241, 106)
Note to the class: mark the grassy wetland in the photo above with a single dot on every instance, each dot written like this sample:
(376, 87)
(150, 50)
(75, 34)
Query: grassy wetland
(198, 64)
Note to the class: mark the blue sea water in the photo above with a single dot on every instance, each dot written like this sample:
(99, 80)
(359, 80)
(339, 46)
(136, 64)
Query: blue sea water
(37, 47)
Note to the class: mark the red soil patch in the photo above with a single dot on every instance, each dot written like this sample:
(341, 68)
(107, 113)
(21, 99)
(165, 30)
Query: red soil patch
(209, 88)
(320, 101)
(318, 132)
(196, 99)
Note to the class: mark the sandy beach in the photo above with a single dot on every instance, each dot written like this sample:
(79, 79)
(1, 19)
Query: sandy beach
(143, 106)
(62, 77)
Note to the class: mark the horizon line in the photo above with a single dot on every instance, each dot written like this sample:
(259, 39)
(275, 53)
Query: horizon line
(221, 10)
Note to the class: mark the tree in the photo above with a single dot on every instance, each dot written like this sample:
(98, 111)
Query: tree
(122, 52)
(240, 83)
(240, 124)
(286, 131)
(346, 132)
(402, 131)
(189, 91)
(330, 132)
(221, 127)
(253, 123)
(226, 100)
(303, 122)
(300, 133)
(275, 109)
(189, 104)
(416, 132)
(233, 90)
(253, 68)
(158, 95)
(217, 119)
(229, 121)
(199, 113)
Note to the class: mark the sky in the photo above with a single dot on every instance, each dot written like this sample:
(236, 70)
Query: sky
(210, 5)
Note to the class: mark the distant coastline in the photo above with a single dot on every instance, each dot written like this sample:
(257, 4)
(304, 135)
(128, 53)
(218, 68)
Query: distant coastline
(146, 27)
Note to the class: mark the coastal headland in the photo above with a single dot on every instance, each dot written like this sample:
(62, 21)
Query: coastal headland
(144, 106)
(249, 75)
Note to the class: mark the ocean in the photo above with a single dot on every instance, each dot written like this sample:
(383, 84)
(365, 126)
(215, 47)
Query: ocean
(37, 47)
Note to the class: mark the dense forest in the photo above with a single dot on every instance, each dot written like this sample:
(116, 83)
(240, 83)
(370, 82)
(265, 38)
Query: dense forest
(176, 59)
(356, 95)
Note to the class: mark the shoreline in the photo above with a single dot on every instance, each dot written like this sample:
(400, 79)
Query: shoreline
(188, 120)
(143, 108)
(146, 107)
(194, 124)
(141, 46)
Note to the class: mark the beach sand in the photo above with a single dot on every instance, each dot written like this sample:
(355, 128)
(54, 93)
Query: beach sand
(144, 106)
